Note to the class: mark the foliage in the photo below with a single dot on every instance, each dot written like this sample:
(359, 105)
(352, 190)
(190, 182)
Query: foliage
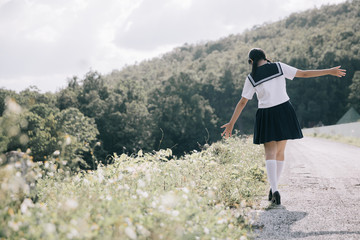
(78, 134)
(182, 114)
(205, 195)
(354, 96)
(42, 130)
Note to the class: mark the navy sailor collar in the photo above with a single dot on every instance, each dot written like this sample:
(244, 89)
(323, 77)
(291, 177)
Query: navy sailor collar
(265, 73)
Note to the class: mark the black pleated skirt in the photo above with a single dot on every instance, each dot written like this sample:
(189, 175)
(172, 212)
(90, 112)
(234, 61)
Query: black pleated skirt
(276, 123)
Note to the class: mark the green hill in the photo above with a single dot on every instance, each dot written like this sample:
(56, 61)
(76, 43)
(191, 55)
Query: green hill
(317, 38)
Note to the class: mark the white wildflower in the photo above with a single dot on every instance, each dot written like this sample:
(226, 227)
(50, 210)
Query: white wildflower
(243, 203)
(49, 228)
(142, 193)
(18, 164)
(94, 227)
(72, 234)
(243, 238)
(86, 182)
(212, 163)
(29, 163)
(77, 179)
(161, 208)
(222, 212)
(206, 230)
(185, 190)
(71, 204)
(56, 153)
(148, 176)
(222, 221)
(143, 231)
(130, 169)
(100, 175)
(140, 153)
(67, 140)
(14, 225)
(211, 194)
(130, 232)
(108, 197)
(169, 199)
(175, 213)
(73, 222)
(141, 183)
(26, 204)
(128, 221)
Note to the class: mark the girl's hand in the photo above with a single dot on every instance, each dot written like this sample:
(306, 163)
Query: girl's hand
(336, 71)
(228, 129)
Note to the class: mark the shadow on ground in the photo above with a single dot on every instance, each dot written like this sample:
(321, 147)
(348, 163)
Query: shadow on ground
(276, 222)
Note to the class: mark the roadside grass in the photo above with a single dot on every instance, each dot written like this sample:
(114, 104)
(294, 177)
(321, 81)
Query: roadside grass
(338, 138)
(202, 195)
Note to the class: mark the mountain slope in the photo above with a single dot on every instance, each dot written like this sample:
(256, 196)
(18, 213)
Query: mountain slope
(316, 38)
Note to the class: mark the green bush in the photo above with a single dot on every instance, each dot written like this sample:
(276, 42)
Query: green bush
(144, 196)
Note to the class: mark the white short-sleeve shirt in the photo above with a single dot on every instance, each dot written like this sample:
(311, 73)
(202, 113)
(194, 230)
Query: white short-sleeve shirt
(272, 92)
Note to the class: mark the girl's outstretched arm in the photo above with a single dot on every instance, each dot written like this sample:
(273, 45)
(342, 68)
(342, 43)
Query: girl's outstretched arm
(230, 125)
(335, 71)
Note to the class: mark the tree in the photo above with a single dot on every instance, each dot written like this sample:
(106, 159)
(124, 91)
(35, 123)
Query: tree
(354, 96)
(183, 117)
(77, 137)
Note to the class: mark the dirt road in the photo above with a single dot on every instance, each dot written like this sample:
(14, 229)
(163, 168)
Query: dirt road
(320, 193)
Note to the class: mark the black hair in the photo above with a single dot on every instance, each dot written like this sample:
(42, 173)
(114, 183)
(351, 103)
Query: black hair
(255, 55)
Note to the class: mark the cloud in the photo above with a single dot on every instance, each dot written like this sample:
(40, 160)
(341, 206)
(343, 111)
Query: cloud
(43, 42)
(159, 22)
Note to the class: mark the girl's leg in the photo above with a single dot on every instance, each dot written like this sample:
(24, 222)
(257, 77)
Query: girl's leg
(271, 164)
(270, 150)
(280, 149)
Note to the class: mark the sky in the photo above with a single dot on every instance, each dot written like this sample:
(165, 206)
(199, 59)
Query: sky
(43, 43)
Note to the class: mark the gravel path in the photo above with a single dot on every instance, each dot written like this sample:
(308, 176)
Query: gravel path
(320, 193)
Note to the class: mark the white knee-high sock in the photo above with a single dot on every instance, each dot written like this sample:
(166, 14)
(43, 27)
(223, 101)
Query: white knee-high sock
(271, 167)
(279, 168)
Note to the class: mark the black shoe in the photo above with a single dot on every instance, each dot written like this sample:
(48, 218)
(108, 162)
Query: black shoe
(276, 198)
(270, 195)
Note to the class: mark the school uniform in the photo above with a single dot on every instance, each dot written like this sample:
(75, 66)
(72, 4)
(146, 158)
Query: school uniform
(275, 118)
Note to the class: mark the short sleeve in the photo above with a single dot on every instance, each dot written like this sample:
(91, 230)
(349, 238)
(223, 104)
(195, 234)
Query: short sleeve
(248, 90)
(289, 71)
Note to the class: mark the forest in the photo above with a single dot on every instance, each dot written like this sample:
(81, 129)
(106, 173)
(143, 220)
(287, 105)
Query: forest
(179, 100)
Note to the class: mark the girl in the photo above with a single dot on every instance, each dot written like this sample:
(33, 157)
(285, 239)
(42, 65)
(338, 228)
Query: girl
(276, 121)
